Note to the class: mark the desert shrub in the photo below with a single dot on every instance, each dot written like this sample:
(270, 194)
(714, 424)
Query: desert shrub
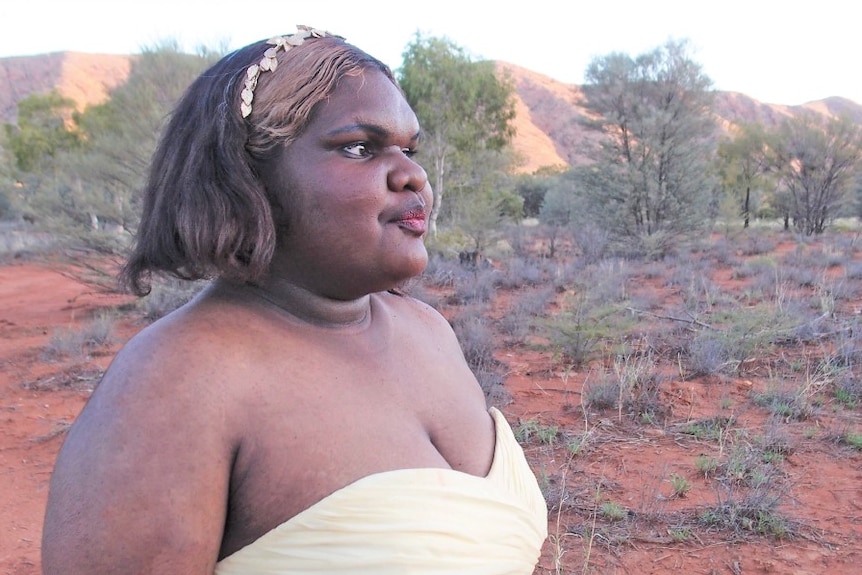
(99, 330)
(578, 330)
(775, 444)
(679, 485)
(418, 290)
(603, 394)
(18, 240)
(853, 270)
(526, 307)
(713, 428)
(756, 244)
(708, 354)
(519, 237)
(477, 343)
(723, 253)
(476, 286)
(740, 333)
(76, 342)
(787, 404)
(646, 300)
(750, 488)
(699, 293)
(565, 275)
(653, 270)
(442, 272)
(829, 256)
(520, 272)
(167, 295)
(848, 390)
(639, 384)
(593, 242)
(762, 265)
(852, 439)
(64, 342)
(477, 339)
(848, 343)
(532, 431)
(804, 277)
(679, 275)
(755, 513)
(606, 282)
(706, 465)
(613, 511)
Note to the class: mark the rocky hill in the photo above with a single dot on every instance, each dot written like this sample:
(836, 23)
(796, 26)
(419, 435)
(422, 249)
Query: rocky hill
(550, 114)
(550, 131)
(85, 78)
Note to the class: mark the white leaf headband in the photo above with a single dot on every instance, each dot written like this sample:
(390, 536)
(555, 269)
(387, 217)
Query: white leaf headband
(269, 61)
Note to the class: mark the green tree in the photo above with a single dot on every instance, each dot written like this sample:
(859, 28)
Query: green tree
(816, 159)
(653, 181)
(534, 187)
(558, 211)
(464, 109)
(491, 202)
(46, 126)
(93, 196)
(123, 132)
(742, 166)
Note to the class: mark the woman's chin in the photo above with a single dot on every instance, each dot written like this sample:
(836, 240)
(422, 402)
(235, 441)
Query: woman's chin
(413, 267)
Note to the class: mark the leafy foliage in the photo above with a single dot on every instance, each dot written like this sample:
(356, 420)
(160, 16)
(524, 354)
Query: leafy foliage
(465, 111)
(651, 179)
(46, 127)
(742, 168)
(817, 160)
(92, 165)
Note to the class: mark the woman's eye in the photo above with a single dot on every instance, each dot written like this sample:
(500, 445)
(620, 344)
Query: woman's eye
(409, 152)
(359, 149)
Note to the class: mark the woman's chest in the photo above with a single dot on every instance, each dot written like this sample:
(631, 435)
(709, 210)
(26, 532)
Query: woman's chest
(314, 431)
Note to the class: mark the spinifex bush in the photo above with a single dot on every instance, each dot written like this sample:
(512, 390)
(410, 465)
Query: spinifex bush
(639, 383)
(739, 334)
(66, 342)
(520, 272)
(603, 394)
(477, 286)
(578, 332)
(477, 343)
(526, 307)
(169, 294)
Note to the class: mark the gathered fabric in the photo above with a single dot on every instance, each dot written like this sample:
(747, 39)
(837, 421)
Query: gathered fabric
(413, 521)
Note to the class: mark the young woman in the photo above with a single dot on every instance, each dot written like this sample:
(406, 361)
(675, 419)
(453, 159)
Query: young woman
(300, 415)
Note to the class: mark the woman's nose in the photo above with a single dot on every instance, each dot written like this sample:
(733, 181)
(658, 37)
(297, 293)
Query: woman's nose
(406, 175)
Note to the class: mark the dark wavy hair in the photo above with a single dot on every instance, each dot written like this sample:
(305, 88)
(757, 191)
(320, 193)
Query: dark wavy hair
(205, 211)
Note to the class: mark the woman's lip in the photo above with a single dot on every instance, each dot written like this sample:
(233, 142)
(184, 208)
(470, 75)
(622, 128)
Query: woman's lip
(414, 220)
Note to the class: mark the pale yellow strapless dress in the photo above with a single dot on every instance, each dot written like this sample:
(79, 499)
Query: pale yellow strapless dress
(413, 521)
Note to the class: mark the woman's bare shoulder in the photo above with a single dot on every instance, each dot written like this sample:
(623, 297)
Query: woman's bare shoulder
(189, 355)
(411, 308)
(147, 437)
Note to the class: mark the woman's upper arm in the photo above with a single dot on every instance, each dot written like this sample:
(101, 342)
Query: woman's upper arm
(141, 482)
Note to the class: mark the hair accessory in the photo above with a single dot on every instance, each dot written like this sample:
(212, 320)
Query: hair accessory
(269, 61)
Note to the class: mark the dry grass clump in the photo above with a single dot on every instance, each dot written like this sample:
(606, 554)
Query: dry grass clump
(79, 342)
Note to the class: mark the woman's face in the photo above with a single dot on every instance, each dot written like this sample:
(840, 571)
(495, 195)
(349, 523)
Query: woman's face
(351, 206)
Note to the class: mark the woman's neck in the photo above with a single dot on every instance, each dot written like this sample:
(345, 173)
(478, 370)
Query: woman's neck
(309, 307)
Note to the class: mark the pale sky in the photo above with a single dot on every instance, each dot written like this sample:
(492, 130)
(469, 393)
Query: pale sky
(776, 51)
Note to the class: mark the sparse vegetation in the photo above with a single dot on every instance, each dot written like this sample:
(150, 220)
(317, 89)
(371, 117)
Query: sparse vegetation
(738, 352)
(763, 359)
(737, 381)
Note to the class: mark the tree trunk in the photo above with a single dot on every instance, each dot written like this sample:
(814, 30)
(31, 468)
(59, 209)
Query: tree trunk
(438, 197)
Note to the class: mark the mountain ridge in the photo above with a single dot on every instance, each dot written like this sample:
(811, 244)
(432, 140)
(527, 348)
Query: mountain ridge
(550, 130)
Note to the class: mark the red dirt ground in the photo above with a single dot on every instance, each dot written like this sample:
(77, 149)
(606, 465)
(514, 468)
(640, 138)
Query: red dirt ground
(627, 463)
